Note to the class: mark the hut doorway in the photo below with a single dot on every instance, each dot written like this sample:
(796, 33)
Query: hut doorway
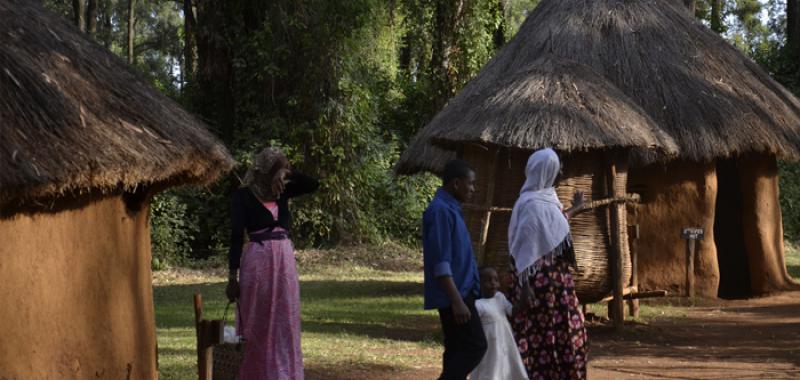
(734, 275)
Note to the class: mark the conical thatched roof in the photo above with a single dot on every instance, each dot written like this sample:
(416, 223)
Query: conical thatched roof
(74, 117)
(551, 102)
(697, 89)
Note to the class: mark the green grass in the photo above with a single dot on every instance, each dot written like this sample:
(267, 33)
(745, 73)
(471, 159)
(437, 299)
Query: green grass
(793, 260)
(352, 317)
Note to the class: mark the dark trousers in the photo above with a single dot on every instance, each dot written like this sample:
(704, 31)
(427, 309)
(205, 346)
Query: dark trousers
(464, 345)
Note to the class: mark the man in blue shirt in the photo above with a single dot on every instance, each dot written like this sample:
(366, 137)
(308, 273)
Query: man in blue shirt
(451, 275)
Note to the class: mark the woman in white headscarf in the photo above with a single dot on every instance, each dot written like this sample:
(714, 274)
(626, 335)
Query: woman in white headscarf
(547, 322)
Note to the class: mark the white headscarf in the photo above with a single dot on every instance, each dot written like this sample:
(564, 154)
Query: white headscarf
(538, 224)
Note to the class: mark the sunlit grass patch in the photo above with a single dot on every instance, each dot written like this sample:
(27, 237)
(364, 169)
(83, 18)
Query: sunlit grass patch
(353, 317)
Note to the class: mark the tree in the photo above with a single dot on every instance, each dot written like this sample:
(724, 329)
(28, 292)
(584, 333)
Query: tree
(105, 31)
(793, 28)
(131, 28)
(499, 10)
(446, 17)
(79, 12)
(91, 17)
(716, 16)
(189, 42)
(689, 5)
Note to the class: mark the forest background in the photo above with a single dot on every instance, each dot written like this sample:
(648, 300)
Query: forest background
(342, 86)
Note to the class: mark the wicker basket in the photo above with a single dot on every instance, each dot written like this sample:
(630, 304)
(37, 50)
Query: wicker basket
(227, 358)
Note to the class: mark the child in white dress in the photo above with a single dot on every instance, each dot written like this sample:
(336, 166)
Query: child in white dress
(502, 360)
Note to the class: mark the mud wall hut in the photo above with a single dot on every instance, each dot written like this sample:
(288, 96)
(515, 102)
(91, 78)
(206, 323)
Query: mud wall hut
(84, 143)
(700, 128)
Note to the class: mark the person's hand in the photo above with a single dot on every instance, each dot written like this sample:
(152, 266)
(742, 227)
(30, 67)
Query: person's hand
(461, 313)
(232, 290)
(578, 200)
(525, 299)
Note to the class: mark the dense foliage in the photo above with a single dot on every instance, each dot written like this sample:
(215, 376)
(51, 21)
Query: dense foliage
(342, 85)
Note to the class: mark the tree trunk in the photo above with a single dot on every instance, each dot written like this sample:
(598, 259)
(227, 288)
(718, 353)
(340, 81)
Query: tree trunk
(214, 97)
(445, 20)
(78, 12)
(405, 53)
(131, 32)
(716, 15)
(690, 5)
(793, 28)
(499, 37)
(91, 17)
(104, 27)
(190, 42)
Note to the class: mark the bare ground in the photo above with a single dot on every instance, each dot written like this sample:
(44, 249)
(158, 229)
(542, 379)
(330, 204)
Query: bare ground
(744, 339)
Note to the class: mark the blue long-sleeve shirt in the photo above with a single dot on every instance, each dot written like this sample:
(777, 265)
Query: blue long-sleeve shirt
(447, 251)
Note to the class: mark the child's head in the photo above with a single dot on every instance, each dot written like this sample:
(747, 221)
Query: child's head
(490, 283)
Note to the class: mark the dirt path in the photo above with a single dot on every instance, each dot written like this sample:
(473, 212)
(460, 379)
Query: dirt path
(748, 339)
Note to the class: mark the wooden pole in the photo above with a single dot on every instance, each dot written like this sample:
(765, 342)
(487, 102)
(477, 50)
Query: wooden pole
(629, 294)
(633, 238)
(486, 218)
(204, 349)
(692, 235)
(690, 245)
(627, 198)
(617, 306)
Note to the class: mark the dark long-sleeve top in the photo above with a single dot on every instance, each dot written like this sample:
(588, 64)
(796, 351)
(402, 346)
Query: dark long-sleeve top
(248, 214)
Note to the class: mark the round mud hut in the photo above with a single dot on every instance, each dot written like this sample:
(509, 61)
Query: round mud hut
(84, 144)
(647, 107)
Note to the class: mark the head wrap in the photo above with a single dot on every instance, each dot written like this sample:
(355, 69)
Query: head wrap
(538, 224)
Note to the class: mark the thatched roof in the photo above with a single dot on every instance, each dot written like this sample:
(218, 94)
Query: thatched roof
(551, 102)
(75, 118)
(697, 89)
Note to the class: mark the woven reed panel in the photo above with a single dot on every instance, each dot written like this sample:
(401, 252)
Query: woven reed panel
(480, 158)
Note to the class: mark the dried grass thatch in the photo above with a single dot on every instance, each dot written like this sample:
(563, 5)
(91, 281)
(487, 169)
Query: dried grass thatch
(76, 118)
(700, 91)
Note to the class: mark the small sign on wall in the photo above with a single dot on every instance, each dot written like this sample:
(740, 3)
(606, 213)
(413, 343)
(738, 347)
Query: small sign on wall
(693, 233)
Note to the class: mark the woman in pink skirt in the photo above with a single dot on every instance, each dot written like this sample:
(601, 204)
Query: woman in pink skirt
(267, 287)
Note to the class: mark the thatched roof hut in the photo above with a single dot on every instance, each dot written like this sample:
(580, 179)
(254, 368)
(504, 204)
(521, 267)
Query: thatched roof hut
(653, 77)
(85, 142)
(75, 117)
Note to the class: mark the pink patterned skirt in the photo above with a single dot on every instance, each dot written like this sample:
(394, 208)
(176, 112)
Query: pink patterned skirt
(269, 312)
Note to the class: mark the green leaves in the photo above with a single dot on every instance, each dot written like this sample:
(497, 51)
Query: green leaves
(172, 230)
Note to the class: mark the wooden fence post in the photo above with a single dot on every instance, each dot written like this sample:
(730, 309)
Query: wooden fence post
(633, 238)
(204, 349)
(616, 306)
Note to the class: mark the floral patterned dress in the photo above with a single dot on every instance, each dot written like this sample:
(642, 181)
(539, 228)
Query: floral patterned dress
(550, 334)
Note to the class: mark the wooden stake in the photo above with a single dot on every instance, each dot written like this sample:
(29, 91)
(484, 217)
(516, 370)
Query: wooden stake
(204, 349)
(692, 235)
